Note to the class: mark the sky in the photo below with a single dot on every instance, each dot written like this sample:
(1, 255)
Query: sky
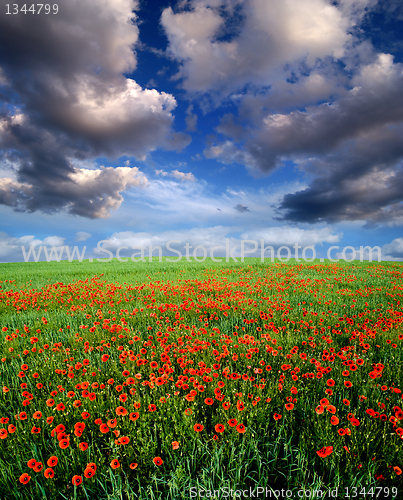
(203, 122)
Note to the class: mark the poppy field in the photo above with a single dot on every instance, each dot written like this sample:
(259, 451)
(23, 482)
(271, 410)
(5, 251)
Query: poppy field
(123, 381)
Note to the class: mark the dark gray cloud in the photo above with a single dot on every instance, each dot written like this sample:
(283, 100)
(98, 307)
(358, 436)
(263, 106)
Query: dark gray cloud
(67, 101)
(352, 149)
(241, 208)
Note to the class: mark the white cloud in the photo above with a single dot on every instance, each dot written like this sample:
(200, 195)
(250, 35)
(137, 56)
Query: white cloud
(85, 192)
(10, 247)
(210, 237)
(82, 236)
(271, 34)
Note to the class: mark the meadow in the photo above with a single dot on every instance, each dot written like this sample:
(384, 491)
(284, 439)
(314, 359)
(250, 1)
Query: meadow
(175, 380)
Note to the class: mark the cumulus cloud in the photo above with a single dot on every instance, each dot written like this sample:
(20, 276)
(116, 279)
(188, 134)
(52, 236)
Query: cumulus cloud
(84, 192)
(287, 235)
(67, 73)
(213, 237)
(268, 35)
(393, 250)
(352, 148)
(10, 246)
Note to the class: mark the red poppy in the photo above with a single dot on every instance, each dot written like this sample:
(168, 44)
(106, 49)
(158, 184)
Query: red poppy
(209, 401)
(115, 464)
(158, 461)
(77, 480)
(52, 462)
(325, 451)
(233, 422)
(64, 443)
(276, 416)
(49, 473)
(38, 467)
(198, 427)
(134, 415)
(31, 463)
(133, 465)
(89, 472)
(334, 420)
(152, 407)
(175, 445)
(3, 433)
(24, 478)
(83, 446)
(112, 423)
(219, 428)
(289, 406)
(104, 428)
(241, 428)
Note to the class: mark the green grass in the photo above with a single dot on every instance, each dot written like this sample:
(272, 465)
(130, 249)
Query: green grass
(353, 309)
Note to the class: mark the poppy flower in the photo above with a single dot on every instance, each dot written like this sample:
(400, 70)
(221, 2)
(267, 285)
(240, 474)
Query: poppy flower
(158, 461)
(64, 443)
(25, 478)
(11, 428)
(89, 472)
(198, 427)
(325, 451)
(240, 405)
(38, 467)
(289, 406)
(232, 422)
(31, 463)
(104, 428)
(134, 416)
(124, 440)
(121, 410)
(35, 430)
(37, 415)
(219, 428)
(398, 470)
(334, 420)
(152, 407)
(83, 446)
(115, 464)
(112, 423)
(49, 473)
(175, 445)
(209, 401)
(77, 480)
(276, 416)
(3, 433)
(52, 461)
(60, 407)
(241, 428)
(133, 465)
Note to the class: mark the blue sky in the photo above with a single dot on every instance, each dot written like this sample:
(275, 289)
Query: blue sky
(137, 123)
